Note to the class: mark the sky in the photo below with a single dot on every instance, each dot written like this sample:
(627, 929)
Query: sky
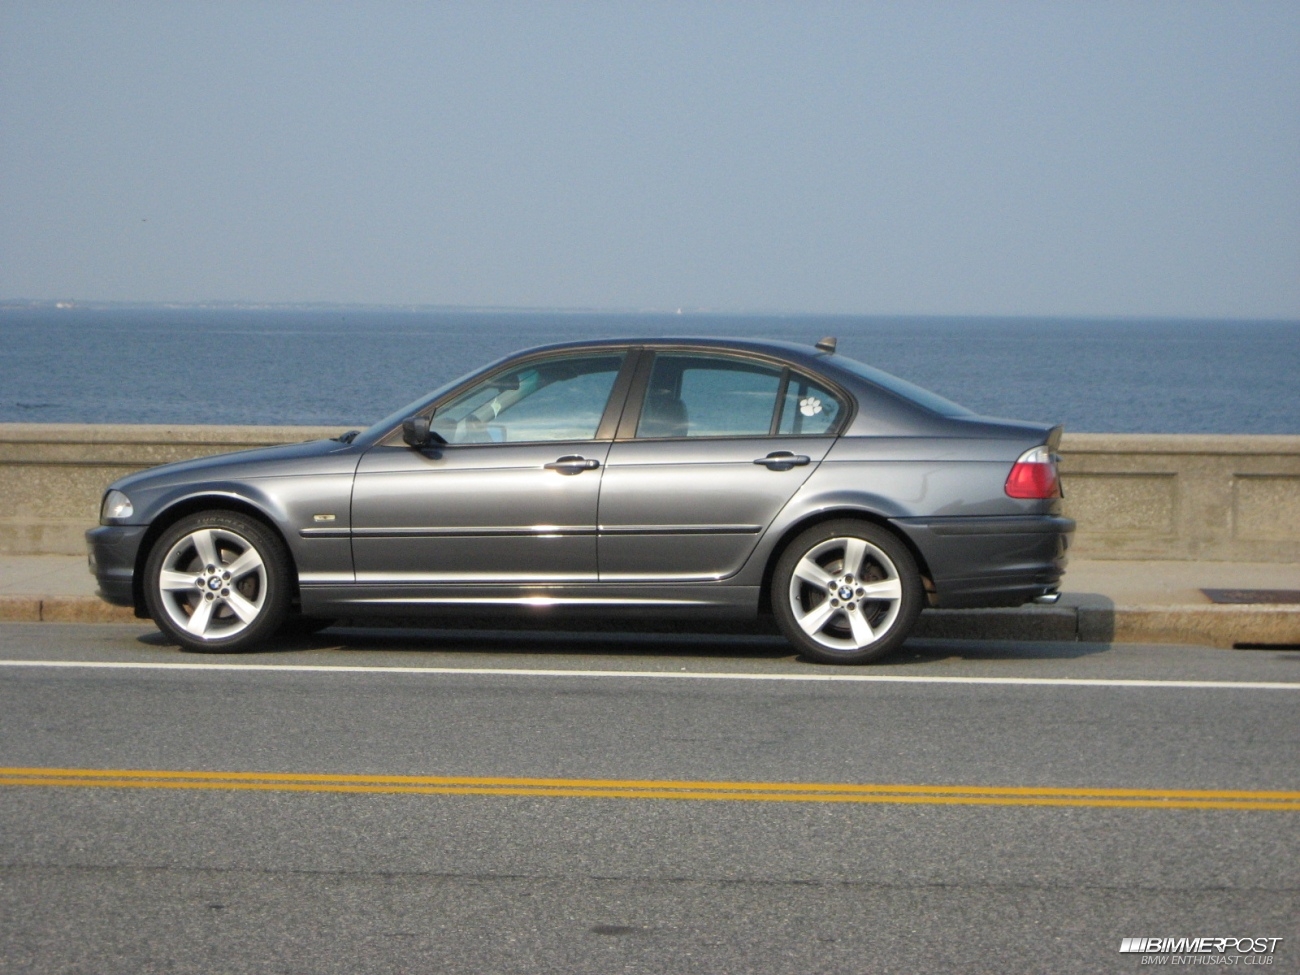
(919, 158)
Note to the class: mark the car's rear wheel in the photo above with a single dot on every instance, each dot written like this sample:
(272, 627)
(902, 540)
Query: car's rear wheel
(218, 582)
(846, 592)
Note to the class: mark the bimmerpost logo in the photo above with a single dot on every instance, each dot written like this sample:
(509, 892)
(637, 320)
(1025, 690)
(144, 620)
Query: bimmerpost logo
(1202, 951)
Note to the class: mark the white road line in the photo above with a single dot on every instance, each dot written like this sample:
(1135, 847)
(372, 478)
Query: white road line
(660, 674)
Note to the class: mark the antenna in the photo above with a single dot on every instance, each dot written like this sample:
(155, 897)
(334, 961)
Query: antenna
(827, 344)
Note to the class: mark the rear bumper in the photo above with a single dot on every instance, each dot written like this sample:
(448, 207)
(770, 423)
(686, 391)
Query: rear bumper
(111, 550)
(996, 561)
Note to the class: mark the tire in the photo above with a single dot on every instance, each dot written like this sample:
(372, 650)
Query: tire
(245, 577)
(847, 625)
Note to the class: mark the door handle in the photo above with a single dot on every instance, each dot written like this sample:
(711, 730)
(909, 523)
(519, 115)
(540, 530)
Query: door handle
(783, 460)
(573, 464)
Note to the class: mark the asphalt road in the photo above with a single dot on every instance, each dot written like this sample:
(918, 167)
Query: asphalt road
(481, 861)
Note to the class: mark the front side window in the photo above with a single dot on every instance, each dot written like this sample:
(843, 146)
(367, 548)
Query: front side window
(553, 399)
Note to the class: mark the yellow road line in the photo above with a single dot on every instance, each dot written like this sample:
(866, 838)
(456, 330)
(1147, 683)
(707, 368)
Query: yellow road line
(656, 789)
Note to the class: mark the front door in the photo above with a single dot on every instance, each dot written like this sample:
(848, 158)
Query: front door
(510, 498)
(721, 444)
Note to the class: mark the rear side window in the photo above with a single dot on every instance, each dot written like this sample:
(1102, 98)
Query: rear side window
(709, 396)
(719, 396)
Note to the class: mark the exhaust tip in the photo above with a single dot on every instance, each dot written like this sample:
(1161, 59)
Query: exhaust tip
(1047, 598)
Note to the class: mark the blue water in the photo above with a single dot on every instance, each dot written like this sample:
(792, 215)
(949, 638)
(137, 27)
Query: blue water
(349, 367)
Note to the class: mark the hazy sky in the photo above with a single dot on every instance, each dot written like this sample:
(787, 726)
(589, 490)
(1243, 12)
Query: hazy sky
(1041, 158)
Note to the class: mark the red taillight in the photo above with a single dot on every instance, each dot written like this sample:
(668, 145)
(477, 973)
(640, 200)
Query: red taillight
(1034, 476)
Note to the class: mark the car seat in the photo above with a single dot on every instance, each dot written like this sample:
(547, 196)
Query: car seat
(665, 416)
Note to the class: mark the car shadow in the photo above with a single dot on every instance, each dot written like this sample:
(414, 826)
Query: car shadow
(618, 643)
(921, 650)
(530, 643)
(594, 643)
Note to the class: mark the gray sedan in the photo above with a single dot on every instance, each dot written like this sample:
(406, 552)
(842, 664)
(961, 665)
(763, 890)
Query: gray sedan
(691, 479)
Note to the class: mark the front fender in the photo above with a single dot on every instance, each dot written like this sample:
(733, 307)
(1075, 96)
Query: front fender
(155, 505)
(291, 504)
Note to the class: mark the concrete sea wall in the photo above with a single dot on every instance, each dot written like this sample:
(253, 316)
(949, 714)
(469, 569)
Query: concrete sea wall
(54, 474)
(1135, 496)
(1183, 497)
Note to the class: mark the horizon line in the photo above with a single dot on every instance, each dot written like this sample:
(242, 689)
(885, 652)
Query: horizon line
(72, 304)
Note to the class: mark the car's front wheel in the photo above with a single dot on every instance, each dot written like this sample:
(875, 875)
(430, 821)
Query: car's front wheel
(218, 582)
(846, 592)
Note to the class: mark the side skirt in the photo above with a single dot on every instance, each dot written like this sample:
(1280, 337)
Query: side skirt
(700, 601)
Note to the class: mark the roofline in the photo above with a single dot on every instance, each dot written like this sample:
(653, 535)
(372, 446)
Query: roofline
(676, 341)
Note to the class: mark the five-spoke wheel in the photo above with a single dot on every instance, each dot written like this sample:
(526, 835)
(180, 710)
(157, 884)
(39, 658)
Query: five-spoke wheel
(846, 592)
(218, 582)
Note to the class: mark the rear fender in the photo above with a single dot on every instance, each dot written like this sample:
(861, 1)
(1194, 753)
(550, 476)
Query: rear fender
(804, 511)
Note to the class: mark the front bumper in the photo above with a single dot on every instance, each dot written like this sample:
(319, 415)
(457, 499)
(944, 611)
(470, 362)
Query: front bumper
(112, 550)
(994, 561)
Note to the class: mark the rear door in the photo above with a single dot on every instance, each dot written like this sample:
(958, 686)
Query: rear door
(712, 446)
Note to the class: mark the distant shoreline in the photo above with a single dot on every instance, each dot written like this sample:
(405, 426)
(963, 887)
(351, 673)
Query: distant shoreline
(69, 304)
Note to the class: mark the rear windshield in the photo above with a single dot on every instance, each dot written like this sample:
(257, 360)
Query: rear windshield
(901, 387)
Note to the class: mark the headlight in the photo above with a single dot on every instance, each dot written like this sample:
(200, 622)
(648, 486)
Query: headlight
(116, 507)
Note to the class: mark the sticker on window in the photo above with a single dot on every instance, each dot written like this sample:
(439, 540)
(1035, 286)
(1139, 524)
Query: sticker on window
(810, 406)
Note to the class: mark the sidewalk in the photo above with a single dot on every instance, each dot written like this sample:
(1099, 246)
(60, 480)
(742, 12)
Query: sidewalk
(1101, 602)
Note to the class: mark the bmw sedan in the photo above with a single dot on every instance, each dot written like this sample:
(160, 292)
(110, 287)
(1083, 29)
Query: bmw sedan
(668, 478)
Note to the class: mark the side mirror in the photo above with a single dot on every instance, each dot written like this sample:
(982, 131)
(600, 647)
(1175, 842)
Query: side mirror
(415, 431)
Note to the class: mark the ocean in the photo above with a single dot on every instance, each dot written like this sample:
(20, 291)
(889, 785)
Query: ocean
(351, 366)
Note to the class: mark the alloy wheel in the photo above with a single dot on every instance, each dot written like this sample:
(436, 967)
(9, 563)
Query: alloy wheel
(213, 583)
(845, 594)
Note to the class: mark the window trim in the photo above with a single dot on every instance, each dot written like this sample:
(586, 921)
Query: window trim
(774, 428)
(640, 382)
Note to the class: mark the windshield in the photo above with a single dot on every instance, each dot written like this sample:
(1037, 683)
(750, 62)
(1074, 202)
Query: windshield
(901, 387)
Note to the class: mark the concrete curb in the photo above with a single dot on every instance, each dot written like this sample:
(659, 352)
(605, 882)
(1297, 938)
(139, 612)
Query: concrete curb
(1217, 626)
(62, 609)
